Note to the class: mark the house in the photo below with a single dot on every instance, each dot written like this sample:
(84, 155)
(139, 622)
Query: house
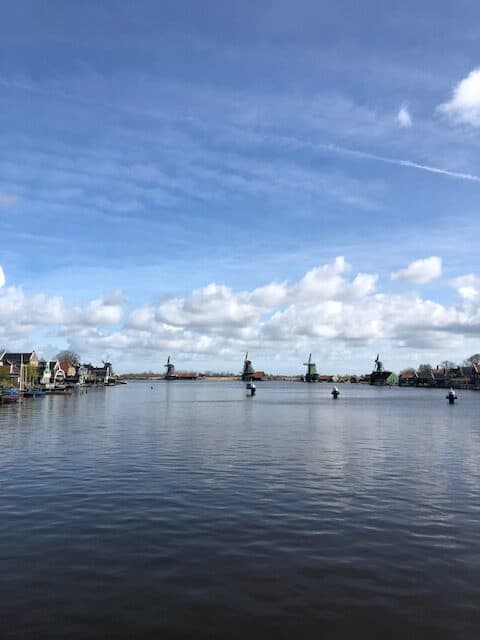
(408, 378)
(68, 369)
(470, 372)
(439, 376)
(97, 375)
(324, 378)
(459, 377)
(14, 361)
(425, 377)
(475, 377)
(51, 373)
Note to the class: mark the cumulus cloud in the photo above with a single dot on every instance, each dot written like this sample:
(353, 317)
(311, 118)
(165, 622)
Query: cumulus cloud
(329, 305)
(468, 287)
(464, 105)
(404, 117)
(22, 313)
(2, 276)
(419, 271)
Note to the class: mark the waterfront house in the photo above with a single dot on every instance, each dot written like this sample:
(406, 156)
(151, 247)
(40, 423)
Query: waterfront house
(440, 376)
(470, 372)
(425, 377)
(408, 378)
(459, 377)
(324, 378)
(12, 362)
(68, 369)
(475, 376)
(74, 373)
(97, 375)
(52, 373)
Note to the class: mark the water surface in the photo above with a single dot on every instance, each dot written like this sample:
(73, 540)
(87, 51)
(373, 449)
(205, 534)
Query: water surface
(190, 510)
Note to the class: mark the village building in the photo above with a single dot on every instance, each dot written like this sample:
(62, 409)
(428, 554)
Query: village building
(12, 363)
(408, 378)
(97, 375)
(51, 374)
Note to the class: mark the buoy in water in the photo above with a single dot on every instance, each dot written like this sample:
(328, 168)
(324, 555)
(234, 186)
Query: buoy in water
(335, 393)
(451, 397)
(252, 388)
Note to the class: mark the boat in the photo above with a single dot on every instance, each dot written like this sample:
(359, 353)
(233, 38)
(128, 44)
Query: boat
(58, 391)
(379, 376)
(34, 393)
(8, 396)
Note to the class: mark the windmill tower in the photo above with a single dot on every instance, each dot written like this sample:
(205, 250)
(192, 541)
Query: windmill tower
(311, 375)
(170, 370)
(248, 370)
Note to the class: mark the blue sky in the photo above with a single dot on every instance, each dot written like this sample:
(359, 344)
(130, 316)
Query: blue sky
(152, 150)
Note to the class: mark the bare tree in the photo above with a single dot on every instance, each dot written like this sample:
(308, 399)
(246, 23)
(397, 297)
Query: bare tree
(425, 368)
(448, 365)
(70, 357)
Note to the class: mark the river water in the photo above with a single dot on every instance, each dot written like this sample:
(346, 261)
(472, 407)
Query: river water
(189, 510)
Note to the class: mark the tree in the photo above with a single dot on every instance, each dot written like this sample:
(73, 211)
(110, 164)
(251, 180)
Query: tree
(70, 357)
(425, 368)
(31, 374)
(448, 365)
(4, 377)
(474, 359)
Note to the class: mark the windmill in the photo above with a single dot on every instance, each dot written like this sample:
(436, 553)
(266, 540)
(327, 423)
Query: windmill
(170, 372)
(248, 370)
(311, 375)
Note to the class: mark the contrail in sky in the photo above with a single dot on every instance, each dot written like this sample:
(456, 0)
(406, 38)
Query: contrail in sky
(25, 86)
(397, 161)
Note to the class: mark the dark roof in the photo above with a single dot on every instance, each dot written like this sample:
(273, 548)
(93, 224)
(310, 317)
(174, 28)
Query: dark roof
(408, 374)
(16, 358)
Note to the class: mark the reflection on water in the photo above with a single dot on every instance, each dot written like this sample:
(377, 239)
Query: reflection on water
(191, 510)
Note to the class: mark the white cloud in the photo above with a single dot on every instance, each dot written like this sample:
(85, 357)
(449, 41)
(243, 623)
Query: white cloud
(2, 276)
(464, 106)
(420, 271)
(22, 313)
(404, 117)
(468, 287)
(328, 309)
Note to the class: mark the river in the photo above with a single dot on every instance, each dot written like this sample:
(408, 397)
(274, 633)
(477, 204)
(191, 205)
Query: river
(189, 510)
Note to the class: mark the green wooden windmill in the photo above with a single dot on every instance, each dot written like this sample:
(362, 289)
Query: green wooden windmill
(311, 375)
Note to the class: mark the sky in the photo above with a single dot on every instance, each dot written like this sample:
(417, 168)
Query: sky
(204, 179)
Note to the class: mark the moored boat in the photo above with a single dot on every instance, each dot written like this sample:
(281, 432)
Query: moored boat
(34, 393)
(8, 396)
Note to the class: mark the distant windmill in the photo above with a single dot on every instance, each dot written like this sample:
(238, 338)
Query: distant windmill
(248, 370)
(311, 375)
(170, 373)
